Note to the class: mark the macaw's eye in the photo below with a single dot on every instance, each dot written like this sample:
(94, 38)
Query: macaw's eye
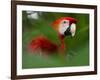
(64, 22)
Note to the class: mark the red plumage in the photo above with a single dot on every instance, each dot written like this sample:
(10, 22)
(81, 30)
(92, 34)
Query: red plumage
(72, 20)
(42, 44)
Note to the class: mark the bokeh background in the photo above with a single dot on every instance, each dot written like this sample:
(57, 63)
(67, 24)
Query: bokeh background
(37, 23)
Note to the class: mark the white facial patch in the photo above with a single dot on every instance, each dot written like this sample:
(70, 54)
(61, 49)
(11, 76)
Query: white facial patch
(63, 26)
(73, 29)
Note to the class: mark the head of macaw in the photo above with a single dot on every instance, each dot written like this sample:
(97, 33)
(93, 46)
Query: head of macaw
(65, 26)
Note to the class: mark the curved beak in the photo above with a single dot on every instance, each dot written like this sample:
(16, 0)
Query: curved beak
(73, 29)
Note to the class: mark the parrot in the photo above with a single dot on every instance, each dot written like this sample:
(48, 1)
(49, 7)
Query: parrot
(64, 26)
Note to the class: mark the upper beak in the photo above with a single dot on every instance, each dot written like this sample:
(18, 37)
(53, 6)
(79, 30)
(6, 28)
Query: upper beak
(73, 29)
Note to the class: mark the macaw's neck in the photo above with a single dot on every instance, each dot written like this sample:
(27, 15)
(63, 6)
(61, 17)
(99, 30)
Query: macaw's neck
(62, 46)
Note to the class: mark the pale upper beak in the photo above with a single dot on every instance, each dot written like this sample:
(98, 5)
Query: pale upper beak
(73, 29)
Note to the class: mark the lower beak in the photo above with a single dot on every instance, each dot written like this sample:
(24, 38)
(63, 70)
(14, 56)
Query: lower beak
(67, 33)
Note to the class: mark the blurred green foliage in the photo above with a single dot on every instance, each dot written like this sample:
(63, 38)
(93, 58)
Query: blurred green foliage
(77, 51)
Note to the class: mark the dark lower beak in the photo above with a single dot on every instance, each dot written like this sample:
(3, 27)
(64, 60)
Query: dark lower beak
(67, 33)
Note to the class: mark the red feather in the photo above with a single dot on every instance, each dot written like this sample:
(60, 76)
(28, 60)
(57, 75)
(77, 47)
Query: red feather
(41, 43)
(72, 20)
